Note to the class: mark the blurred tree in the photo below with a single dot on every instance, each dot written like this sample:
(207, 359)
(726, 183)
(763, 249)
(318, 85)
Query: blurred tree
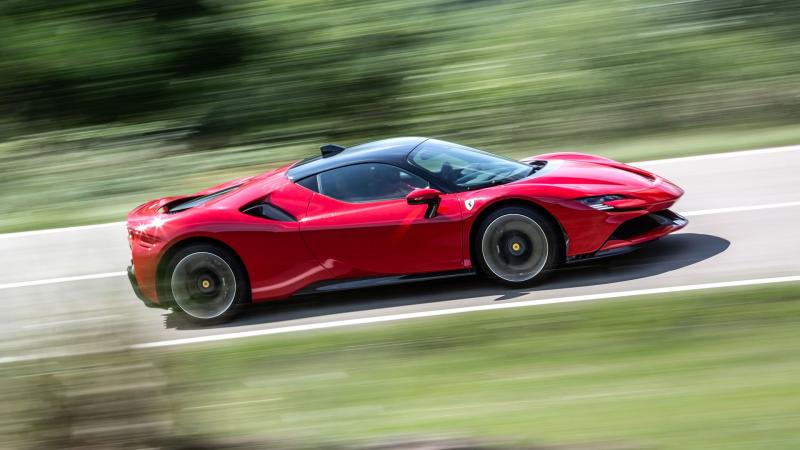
(96, 62)
(782, 16)
(278, 70)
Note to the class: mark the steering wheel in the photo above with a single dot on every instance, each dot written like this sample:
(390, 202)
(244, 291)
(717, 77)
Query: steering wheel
(447, 171)
(469, 175)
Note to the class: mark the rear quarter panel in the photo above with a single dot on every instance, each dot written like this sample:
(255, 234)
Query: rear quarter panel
(277, 260)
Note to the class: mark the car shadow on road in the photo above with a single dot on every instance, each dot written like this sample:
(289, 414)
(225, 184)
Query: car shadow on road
(670, 253)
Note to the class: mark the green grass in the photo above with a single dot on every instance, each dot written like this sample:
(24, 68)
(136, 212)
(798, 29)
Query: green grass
(54, 181)
(703, 370)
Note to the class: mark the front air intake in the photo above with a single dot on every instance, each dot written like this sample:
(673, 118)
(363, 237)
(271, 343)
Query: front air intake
(644, 224)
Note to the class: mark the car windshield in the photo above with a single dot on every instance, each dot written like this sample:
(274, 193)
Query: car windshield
(467, 167)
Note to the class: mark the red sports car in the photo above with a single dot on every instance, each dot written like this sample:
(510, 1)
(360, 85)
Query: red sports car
(389, 211)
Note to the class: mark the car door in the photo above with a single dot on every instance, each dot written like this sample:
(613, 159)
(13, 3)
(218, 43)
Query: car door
(359, 223)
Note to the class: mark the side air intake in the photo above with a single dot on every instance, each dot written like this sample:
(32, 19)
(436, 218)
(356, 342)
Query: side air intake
(267, 210)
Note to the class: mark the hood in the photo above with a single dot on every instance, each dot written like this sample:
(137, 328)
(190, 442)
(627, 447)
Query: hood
(592, 175)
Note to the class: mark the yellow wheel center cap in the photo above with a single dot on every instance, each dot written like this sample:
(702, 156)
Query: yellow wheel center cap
(515, 246)
(206, 284)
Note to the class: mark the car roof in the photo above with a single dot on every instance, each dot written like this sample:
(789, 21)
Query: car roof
(390, 151)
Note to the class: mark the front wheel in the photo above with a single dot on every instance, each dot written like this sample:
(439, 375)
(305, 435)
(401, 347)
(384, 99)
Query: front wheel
(517, 246)
(207, 283)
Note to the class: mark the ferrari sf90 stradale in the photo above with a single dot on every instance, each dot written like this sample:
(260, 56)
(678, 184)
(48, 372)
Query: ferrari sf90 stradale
(389, 211)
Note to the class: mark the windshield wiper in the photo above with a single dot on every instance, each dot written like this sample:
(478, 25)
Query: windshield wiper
(536, 166)
(499, 181)
(490, 184)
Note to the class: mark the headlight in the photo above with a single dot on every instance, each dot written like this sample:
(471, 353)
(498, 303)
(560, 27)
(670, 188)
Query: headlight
(599, 201)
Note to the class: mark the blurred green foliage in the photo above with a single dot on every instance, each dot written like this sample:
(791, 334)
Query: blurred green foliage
(695, 370)
(100, 80)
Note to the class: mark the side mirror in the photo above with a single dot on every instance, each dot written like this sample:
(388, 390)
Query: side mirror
(425, 196)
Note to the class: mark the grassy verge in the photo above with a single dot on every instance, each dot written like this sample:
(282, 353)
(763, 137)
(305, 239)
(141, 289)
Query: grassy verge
(706, 370)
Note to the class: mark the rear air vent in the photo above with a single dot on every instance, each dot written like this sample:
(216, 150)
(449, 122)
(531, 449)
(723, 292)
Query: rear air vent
(178, 204)
(192, 202)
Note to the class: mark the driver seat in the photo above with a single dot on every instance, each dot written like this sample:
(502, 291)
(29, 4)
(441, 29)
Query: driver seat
(447, 172)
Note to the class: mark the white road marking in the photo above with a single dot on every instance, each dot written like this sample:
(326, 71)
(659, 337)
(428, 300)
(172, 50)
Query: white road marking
(706, 212)
(461, 310)
(93, 276)
(59, 230)
(700, 212)
(735, 154)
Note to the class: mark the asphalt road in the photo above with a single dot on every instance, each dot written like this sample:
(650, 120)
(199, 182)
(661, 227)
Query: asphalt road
(743, 208)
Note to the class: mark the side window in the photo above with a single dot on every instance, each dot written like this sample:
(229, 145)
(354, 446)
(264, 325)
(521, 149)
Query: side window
(368, 182)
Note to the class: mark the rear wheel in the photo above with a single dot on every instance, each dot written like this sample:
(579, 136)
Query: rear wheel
(207, 283)
(517, 246)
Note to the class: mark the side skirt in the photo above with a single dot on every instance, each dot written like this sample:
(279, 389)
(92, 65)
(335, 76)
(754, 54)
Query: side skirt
(360, 283)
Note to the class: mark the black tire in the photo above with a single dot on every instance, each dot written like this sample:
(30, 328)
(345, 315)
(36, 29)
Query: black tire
(206, 284)
(517, 246)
